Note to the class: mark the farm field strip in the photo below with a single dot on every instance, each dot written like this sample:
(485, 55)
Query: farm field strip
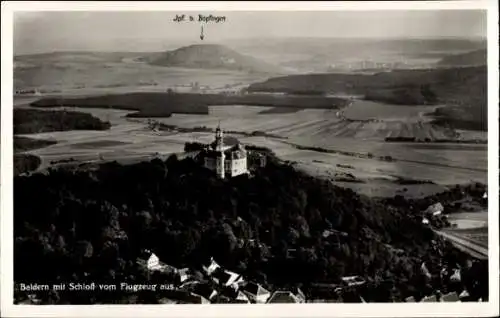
(290, 124)
(477, 239)
(472, 247)
(311, 127)
(298, 129)
(443, 175)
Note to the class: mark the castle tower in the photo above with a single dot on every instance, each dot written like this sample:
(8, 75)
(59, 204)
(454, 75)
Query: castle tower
(219, 138)
(219, 142)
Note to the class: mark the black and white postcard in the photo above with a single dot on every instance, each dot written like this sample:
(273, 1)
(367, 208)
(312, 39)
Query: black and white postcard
(320, 159)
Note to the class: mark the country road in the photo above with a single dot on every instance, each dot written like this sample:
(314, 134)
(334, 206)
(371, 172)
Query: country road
(467, 246)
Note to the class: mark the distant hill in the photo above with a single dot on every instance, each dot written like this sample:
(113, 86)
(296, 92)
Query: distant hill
(72, 56)
(474, 58)
(210, 56)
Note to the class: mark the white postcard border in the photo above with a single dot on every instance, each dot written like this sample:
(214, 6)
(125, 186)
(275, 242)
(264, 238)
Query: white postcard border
(288, 310)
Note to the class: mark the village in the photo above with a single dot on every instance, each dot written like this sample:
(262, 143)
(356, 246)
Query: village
(215, 284)
(211, 282)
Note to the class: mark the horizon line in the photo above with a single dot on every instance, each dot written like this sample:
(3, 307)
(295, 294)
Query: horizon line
(274, 38)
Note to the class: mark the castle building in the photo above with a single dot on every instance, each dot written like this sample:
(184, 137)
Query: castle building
(226, 156)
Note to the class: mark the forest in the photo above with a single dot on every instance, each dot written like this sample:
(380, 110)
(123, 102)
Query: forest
(91, 226)
(25, 163)
(32, 121)
(463, 90)
(164, 104)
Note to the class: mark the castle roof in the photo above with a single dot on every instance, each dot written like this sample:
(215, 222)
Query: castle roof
(228, 141)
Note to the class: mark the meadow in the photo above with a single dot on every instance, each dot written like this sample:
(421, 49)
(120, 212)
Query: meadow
(351, 134)
(130, 140)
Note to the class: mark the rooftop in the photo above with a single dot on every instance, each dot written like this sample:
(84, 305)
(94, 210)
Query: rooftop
(283, 297)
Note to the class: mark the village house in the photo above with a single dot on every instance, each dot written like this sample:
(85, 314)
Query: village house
(450, 297)
(231, 296)
(256, 293)
(429, 299)
(410, 299)
(153, 264)
(204, 290)
(434, 210)
(282, 297)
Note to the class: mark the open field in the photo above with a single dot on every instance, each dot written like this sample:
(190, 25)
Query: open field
(474, 248)
(94, 73)
(348, 132)
(131, 138)
(471, 229)
(469, 222)
(462, 90)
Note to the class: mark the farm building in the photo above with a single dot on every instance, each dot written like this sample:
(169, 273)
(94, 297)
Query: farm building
(225, 156)
(284, 297)
(435, 209)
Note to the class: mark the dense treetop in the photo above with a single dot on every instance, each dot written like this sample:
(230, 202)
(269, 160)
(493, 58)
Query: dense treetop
(92, 226)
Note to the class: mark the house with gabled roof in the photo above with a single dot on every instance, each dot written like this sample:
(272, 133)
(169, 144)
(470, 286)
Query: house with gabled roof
(220, 276)
(450, 297)
(152, 263)
(434, 209)
(429, 299)
(410, 299)
(283, 297)
(210, 267)
(183, 275)
(242, 298)
(299, 293)
(204, 290)
(226, 278)
(256, 293)
(179, 296)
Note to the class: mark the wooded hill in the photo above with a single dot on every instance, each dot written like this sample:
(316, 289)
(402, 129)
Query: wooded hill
(93, 225)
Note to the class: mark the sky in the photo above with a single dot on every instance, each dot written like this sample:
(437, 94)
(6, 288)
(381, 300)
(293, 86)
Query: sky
(36, 32)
